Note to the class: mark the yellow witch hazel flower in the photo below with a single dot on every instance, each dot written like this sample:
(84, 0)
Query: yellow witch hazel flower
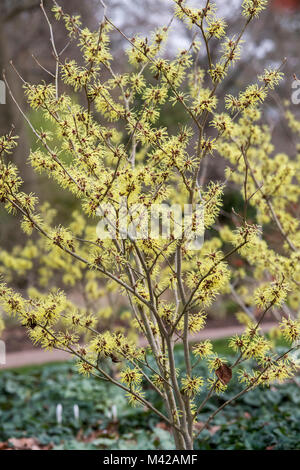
(84, 368)
(191, 385)
(102, 344)
(238, 343)
(215, 362)
(252, 8)
(135, 396)
(204, 102)
(271, 77)
(217, 385)
(196, 322)
(290, 329)
(203, 349)
(257, 347)
(216, 27)
(158, 381)
(272, 294)
(131, 377)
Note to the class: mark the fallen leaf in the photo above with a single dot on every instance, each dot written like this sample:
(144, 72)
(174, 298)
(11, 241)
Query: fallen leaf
(224, 374)
(199, 425)
(27, 443)
(214, 429)
(3, 445)
(162, 425)
(22, 443)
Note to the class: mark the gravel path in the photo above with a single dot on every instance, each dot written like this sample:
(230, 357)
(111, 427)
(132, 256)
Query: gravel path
(38, 356)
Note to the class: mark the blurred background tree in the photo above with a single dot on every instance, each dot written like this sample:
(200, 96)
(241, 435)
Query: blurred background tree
(24, 40)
